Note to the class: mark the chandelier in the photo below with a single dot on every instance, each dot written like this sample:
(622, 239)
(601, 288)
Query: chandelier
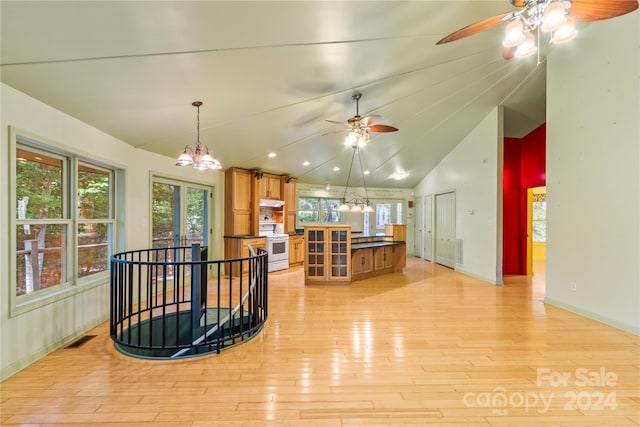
(355, 204)
(198, 157)
(549, 16)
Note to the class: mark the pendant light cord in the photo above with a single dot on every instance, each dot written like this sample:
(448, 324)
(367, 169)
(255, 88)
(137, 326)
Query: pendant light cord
(349, 175)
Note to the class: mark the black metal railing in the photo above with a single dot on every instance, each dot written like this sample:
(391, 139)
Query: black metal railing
(164, 305)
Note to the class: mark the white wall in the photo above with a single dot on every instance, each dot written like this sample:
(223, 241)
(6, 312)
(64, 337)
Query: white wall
(473, 170)
(27, 337)
(593, 183)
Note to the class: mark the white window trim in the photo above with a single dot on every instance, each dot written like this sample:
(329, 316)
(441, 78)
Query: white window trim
(24, 303)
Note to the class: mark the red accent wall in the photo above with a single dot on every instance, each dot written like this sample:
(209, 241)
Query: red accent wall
(524, 167)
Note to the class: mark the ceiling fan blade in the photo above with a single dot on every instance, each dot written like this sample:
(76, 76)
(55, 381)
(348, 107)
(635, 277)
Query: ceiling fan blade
(382, 128)
(596, 10)
(369, 120)
(472, 29)
(508, 52)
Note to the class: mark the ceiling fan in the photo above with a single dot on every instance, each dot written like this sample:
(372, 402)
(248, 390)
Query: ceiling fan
(555, 16)
(358, 127)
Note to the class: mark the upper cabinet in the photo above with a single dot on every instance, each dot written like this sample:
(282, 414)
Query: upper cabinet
(290, 205)
(238, 207)
(243, 191)
(269, 186)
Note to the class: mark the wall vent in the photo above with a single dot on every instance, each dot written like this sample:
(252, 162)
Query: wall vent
(459, 252)
(81, 341)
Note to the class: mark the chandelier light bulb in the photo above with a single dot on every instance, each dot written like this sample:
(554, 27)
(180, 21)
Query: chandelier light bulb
(527, 47)
(564, 33)
(514, 34)
(351, 139)
(554, 16)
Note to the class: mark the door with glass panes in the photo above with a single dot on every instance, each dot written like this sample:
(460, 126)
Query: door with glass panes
(180, 214)
(385, 212)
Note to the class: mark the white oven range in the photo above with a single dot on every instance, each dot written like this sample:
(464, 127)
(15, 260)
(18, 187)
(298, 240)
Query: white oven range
(278, 248)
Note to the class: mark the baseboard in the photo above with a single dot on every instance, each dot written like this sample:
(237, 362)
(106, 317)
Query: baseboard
(476, 276)
(24, 362)
(635, 330)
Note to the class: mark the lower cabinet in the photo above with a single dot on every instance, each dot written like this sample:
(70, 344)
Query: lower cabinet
(238, 247)
(327, 254)
(361, 261)
(296, 249)
(383, 257)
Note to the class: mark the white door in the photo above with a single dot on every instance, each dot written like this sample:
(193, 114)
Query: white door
(445, 230)
(418, 250)
(427, 227)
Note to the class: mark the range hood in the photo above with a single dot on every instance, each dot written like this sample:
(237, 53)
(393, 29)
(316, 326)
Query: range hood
(271, 203)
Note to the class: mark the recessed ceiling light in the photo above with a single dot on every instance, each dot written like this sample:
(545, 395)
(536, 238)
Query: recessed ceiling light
(305, 163)
(336, 169)
(328, 187)
(399, 175)
(366, 172)
(272, 155)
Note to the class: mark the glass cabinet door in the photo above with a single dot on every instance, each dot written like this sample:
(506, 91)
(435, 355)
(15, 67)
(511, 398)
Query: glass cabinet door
(315, 253)
(339, 255)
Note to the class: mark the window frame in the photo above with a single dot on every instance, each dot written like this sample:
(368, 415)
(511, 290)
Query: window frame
(300, 224)
(19, 304)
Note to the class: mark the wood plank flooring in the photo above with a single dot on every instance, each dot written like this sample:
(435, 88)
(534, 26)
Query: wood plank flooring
(427, 347)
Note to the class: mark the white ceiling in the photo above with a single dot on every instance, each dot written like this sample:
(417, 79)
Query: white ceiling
(270, 74)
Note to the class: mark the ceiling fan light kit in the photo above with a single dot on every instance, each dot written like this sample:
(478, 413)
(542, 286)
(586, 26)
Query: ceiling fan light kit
(550, 16)
(358, 128)
(198, 157)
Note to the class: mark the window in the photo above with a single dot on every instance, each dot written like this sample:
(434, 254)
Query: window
(539, 218)
(64, 218)
(318, 210)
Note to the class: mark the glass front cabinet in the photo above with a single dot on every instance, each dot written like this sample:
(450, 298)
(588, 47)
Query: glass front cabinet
(327, 254)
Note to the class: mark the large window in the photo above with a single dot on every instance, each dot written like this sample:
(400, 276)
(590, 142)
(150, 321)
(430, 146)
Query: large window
(64, 218)
(318, 210)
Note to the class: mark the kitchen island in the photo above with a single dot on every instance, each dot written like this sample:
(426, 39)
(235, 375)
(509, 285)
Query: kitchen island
(334, 255)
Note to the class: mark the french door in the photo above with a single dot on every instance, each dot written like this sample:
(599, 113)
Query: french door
(180, 213)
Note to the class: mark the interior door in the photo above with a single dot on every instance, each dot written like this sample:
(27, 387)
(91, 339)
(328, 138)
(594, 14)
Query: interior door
(427, 227)
(445, 229)
(419, 240)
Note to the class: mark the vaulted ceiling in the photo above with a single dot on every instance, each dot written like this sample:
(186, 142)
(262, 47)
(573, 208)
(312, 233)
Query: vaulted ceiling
(270, 74)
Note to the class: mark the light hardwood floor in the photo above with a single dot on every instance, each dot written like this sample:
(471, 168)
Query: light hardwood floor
(427, 347)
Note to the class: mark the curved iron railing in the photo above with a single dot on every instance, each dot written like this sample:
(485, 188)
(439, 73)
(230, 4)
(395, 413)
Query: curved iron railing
(164, 306)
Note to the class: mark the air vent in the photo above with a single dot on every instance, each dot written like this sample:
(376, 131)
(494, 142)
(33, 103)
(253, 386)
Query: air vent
(81, 341)
(459, 253)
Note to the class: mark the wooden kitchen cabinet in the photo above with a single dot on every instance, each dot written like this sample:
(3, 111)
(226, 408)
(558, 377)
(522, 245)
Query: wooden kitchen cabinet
(238, 204)
(238, 247)
(327, 254)
(361, 261)
(296, 249)
(383, 257)
(290, 205)
(269, 186)
(396, 232)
